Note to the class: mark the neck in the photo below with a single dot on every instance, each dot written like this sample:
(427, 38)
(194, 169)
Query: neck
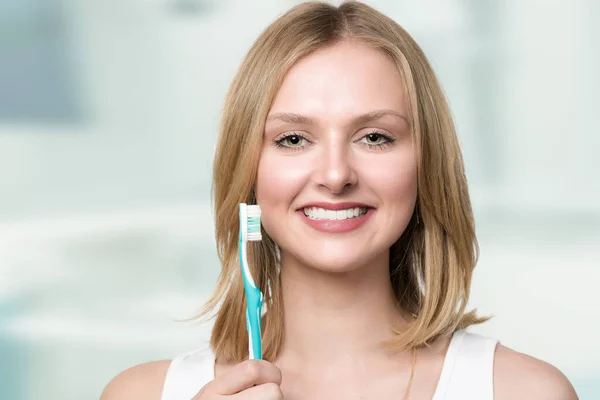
(339, 316)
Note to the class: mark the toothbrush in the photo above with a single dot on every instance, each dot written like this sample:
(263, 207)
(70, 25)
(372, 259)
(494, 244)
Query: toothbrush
(250, 231)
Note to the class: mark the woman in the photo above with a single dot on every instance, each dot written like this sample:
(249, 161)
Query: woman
(337, 127)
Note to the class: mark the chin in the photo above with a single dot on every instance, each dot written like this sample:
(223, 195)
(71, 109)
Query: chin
(335, 267)
(332, 262)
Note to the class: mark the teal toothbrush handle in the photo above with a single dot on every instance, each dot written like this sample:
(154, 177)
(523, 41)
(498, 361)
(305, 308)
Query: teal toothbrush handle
(254, 299)
(254, 302)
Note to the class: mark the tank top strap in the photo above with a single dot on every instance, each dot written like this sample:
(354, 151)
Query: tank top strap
(188, 373)
(468, 371)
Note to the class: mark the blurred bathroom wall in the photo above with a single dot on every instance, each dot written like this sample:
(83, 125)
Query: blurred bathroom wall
(108, 118)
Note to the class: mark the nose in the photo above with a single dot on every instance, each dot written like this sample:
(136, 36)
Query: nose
(336, 170)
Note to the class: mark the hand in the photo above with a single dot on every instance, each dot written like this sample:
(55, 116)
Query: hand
(249, 380)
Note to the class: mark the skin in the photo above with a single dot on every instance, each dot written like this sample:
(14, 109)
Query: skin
(338, 299)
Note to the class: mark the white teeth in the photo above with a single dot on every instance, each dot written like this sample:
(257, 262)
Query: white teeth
(320, 213)
(334, 215)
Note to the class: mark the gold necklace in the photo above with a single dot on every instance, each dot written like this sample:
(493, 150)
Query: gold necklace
(412, 374)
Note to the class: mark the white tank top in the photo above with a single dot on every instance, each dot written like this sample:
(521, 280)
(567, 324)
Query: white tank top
(467, 373)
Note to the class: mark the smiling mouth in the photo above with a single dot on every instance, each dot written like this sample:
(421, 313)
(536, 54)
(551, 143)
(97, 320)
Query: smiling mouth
(322, 214)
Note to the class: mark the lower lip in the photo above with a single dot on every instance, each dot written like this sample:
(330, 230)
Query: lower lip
(337, 226)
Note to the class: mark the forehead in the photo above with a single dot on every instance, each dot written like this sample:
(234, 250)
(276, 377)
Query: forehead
(341, 79)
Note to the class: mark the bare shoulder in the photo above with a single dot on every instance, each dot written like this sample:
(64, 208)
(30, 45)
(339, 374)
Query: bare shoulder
(144, 381)
(519, 376)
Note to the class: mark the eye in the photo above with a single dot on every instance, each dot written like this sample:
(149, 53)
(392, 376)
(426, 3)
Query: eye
(376, 140)
(292, 141)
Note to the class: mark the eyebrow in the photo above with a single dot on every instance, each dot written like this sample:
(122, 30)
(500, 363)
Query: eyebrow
(294, 118)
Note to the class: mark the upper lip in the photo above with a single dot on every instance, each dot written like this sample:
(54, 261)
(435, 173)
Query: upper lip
(335, 206)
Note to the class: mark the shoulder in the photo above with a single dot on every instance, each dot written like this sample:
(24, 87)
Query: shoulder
(181, 378)
(519, 376)
(144, 381)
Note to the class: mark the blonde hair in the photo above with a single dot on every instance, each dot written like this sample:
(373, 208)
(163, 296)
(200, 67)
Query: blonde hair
(431, 264)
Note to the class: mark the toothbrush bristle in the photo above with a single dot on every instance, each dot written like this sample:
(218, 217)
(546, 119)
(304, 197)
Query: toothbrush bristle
(253, 218)
(254, 237)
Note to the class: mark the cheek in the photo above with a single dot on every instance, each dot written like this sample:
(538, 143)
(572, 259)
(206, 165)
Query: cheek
(395, 182)
(278, 182)
(396, 187)
(279, 179)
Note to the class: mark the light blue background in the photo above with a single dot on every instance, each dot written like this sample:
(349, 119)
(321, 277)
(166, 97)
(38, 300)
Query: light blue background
(108, 118)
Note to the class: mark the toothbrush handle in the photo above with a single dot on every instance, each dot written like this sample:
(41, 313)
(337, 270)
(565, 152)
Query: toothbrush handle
(254, 299)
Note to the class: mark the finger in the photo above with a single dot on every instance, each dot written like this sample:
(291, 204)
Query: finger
(247, 374)
(266, 391)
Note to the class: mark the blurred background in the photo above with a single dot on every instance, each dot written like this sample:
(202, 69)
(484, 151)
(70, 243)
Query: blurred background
(108, 118)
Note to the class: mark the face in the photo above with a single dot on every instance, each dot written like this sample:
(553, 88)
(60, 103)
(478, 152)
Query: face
(337, 177)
